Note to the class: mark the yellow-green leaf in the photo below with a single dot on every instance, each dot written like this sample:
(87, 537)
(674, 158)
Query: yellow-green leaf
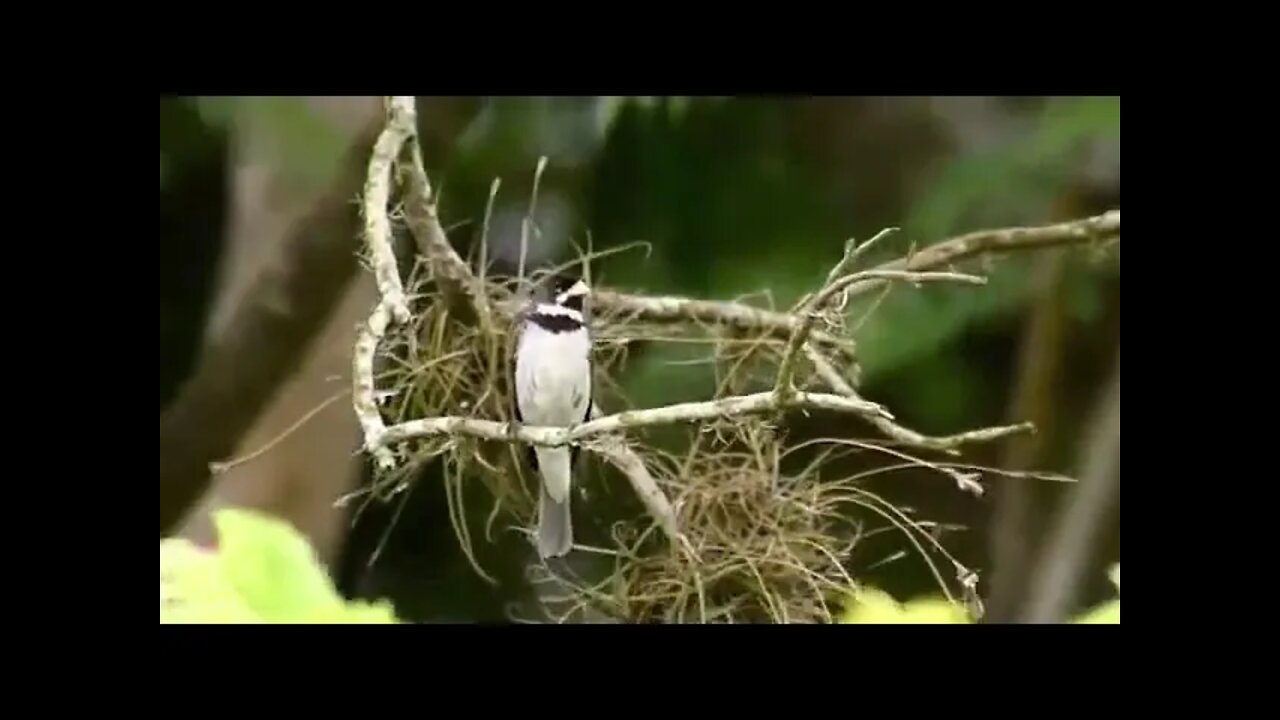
(193, 588)
(1105, 614)
(273, 567)
(875, 607)
(263, 571)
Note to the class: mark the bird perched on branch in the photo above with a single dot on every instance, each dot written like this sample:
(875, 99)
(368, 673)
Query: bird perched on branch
(553, 386)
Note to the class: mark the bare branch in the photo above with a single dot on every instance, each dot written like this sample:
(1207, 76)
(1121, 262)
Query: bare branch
(362, 385)
(392, 306)
(681, 309)
(853, 253)
(729, 407)
(812, 308)
(1097, 228)
(630, 464)
(447, 267)
(948, 443)
(377, 193)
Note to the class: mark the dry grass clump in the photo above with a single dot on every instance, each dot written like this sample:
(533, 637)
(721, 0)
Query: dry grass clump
(758, 544)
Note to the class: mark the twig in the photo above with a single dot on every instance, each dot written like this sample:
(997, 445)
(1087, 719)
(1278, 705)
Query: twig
(811, 310)
(1099, 227)
(218, 468)
(854, 252)
(530, 218)
(362, 385)
(682, 309)
(906, 436)
(466, 294)
(630, 464)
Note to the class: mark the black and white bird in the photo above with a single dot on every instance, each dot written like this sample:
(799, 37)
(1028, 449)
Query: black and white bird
(553, 386)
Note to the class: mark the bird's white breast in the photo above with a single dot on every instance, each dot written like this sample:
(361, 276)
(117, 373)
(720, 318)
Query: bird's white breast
(553, 376)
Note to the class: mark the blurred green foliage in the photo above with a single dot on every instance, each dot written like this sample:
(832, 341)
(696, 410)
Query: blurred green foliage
(262, 571)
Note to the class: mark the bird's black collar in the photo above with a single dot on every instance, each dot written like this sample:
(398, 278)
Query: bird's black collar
(555, 324)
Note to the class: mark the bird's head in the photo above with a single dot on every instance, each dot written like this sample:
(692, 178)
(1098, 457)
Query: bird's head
(569, 292)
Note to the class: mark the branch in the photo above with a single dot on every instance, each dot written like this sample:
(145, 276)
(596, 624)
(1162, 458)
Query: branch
(681, 309)
(447, 267)
(739, 315)
(946, 443)
(630, 465)
(811, 309)
(1018, 239)
(392, 305)
(377, 193)
(729, 407)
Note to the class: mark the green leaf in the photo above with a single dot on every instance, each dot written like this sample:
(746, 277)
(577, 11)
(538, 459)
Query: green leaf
(262, 571)
(272, 567)
(194, 589)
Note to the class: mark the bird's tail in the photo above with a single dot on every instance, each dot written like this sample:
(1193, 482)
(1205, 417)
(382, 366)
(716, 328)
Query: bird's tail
(555, 522)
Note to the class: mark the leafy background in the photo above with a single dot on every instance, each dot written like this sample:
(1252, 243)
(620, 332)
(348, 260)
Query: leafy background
(730, 197)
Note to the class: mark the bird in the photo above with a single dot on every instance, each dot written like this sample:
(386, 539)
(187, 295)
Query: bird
(553, 387)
